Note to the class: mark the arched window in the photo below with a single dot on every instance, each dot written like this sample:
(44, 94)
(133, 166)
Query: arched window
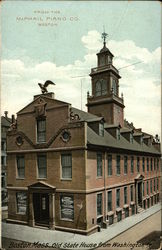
(114, 86)
(98, 88)
(101, 87)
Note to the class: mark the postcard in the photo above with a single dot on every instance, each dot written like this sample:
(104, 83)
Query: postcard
(80, 124)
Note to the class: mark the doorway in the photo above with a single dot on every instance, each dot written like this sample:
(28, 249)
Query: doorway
(140, 194)
(41, 208)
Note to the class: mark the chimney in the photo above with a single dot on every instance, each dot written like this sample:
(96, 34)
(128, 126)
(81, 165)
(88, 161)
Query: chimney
(6, 114)
(13, 119)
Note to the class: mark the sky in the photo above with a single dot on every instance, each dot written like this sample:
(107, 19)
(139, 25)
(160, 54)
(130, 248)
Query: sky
(58, 41)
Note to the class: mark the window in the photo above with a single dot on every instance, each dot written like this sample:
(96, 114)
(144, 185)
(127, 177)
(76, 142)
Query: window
(125, 164)
(99, 204)
(118, 164)
(147, 164)
(42, 166)
(118, 134)
(66, 163)
(125, 195)
(131, 193)
(3, 182)
(143, 188)
(118, 198)
(99, 165)
(109, 59)
(21, 200)
(67, 207)
(151, 164)
(157, 164)
(154, 164)
(133, 209)
(104, 87)
(114, 86)
(141, 140)
(132, 165)
(109, 165)
(138, 164)
(150, 186)
(3, 160)
(101, 129)
(41, 131)
(98, 88)
(3, 147)
(157, 184)
(20, 166)
(43, 203)
(154, 185)
(111, 219)
(147, 187)
(119, 216)
(131, 137)
(126, 212)
(109, 205)
(101, 87)
(143, 164)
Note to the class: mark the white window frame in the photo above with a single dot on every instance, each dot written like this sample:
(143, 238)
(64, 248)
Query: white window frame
(70, 166)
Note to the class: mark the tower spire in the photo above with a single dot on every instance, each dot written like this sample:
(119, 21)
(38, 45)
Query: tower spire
(104, 35)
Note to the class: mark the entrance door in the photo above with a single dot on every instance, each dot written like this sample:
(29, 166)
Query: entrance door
(41, 208)
(140, 193)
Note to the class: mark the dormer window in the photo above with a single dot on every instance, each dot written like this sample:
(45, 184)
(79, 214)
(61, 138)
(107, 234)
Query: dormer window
(141, 140)
(101, 87)
(101, 129)
(41, 130)
(131, 137)
(114, 130)
(118, 134)
(138, 137)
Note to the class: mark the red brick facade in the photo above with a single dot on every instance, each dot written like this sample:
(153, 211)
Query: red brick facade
(62, 163)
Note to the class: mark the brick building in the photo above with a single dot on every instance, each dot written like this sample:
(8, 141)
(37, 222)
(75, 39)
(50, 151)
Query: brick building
(5, 125)
(78, 171)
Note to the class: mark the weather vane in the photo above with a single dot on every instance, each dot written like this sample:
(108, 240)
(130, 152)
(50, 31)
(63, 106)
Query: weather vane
(104, 35)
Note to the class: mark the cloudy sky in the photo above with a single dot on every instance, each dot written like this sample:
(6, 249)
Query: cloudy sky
(58, 40)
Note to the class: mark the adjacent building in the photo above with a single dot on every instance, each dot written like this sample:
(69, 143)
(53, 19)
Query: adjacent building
(5, 125)
(78, 171)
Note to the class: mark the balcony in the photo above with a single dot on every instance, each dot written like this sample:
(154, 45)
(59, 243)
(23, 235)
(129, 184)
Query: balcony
(106, 98)
(104, 68)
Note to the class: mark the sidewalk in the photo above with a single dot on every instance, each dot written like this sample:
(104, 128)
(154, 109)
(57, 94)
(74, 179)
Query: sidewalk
(66, 240)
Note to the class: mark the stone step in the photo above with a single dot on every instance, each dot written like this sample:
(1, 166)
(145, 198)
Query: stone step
(140, 209)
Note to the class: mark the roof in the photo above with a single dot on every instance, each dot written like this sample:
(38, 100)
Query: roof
(137, 134)
(105, 49)
(126, 130)
(85, 116)
(112, 126)
(110, 142)
(5, 121)
(146, 136)
(45, 98)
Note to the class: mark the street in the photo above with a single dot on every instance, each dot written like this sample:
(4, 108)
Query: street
(133, 238)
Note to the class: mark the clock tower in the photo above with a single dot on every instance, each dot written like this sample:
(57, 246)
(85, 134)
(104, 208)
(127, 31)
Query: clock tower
(105, 100)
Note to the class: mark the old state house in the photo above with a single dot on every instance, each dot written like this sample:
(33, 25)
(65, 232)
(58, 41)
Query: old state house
(80, 171)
